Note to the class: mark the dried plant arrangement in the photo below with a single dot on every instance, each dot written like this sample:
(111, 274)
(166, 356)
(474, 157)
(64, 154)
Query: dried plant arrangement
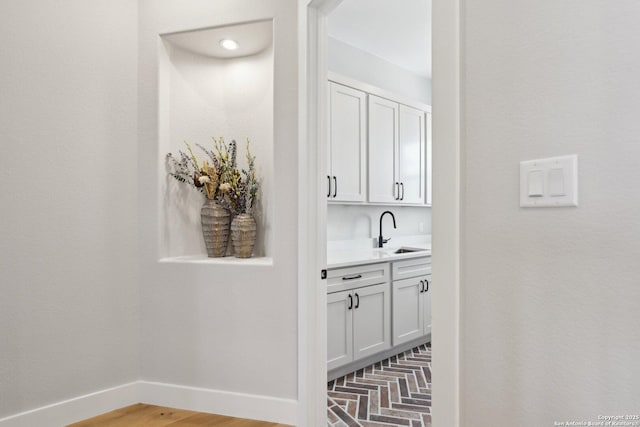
(218, 176)
(205, 175)
(239, 190)
(228, 191)
(250, 182)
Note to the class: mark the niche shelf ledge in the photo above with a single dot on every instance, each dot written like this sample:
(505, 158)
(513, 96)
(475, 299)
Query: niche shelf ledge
(228, 260)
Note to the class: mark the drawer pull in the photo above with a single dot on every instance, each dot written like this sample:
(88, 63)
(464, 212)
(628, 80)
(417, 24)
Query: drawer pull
(357, 300)
(359, 276)
(350, 302)
(427, 282)
(421, 286)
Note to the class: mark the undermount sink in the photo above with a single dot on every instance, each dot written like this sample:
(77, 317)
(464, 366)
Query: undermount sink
(407, 250)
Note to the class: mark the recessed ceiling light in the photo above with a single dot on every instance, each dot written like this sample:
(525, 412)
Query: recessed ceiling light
(229, 44)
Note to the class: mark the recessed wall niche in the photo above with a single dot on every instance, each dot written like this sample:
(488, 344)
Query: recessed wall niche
(207, 91)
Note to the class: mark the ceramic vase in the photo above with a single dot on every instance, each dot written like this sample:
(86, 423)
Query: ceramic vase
(215, 228)
(243, 235)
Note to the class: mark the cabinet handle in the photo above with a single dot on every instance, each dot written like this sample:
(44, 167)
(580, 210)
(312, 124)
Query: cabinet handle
(335, 186)
(421, 286)
(350, 302)
(329, 178)
(352, 277)
(357, 300)
(397, 191)
(427, 282)
(402, 185)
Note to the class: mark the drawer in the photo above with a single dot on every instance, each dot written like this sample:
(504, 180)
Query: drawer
(411, 268)
(344, 279)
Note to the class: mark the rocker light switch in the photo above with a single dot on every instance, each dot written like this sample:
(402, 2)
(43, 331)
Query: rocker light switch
(536, 183)
(551, 182)
(556, 182)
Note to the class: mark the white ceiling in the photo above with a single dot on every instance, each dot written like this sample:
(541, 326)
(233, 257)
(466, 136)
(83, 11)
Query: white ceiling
(396, 30)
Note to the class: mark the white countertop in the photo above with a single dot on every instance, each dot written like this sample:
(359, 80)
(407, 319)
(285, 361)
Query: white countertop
(347, 254)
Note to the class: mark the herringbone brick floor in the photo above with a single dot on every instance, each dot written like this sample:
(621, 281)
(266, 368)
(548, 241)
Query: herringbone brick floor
(394, 392)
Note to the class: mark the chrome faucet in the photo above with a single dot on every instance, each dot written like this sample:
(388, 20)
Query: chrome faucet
(382, 241)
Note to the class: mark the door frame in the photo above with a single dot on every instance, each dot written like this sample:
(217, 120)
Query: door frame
(312, 210)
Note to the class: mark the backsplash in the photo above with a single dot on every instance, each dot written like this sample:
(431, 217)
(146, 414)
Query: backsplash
(354, 222)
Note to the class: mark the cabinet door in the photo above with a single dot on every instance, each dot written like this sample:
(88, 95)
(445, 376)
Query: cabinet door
(339, 329)
(411, 155)
(408, 312)
(371, 320)
(383, 150)
(347, 135)
(426, 306)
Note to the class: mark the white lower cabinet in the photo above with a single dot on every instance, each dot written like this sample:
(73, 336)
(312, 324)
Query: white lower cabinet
(372, 307)
(371, 320)
(339, 330)
(408, 311)
(411, 300)
(358, 323)
(426, 309)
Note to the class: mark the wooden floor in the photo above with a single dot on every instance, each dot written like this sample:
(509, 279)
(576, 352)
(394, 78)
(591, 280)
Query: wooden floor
(157, 416)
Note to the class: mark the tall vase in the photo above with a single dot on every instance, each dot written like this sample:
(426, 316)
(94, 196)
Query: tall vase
(215, 228)
(243, 235)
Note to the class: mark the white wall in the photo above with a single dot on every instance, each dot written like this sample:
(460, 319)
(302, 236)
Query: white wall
(353, 222)
(219, 326)
(358, 64)
(551, 325)
(68, 278)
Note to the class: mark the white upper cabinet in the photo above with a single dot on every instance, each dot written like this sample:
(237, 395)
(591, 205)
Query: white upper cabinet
(397, 153)
(383, 150)
(346, 178)
(377, 143)
(411, 155)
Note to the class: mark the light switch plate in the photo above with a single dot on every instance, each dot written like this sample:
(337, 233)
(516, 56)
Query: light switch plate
(551, 182)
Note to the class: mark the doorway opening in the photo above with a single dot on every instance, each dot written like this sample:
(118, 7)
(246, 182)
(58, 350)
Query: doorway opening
(319, 186)
(378, 223)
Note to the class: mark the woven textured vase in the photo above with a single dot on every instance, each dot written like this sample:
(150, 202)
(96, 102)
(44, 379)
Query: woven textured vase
(243, 235)
(215, 228)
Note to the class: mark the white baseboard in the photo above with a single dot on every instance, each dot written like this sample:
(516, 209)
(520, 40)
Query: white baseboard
(77, 409)
(220, 402)
(232, 404)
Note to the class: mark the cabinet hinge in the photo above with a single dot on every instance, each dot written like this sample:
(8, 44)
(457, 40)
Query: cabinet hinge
(323, 274)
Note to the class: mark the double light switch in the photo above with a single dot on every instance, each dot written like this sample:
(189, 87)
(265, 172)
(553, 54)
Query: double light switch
(549, 182)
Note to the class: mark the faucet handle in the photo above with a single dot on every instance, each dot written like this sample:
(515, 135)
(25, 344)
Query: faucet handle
(386, 240)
